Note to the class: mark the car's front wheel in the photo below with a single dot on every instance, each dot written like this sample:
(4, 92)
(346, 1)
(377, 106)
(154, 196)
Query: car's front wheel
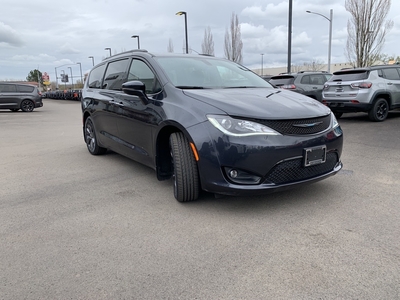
(379, 110)
(91, 140)
(27, 106)
(186, 178)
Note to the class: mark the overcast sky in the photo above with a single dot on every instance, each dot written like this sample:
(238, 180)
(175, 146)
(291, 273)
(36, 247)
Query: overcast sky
(47, 34)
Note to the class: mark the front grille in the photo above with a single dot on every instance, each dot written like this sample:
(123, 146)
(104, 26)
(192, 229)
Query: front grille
(293, 170)
(304, 126)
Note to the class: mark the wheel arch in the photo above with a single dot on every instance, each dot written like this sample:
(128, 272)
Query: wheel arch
(164, 167)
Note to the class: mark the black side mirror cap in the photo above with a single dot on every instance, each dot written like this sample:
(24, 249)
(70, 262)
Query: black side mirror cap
(136, 88)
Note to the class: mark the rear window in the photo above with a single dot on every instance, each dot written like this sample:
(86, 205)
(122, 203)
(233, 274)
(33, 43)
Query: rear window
(281, 80)
(352, 75)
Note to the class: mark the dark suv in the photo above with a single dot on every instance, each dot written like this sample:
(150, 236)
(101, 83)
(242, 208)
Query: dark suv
(309, 83)
(374, 90)
(208, 123)
(16, 96)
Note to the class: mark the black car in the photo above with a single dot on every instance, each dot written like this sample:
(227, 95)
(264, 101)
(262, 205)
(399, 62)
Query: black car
(309, 83)
(208, 123)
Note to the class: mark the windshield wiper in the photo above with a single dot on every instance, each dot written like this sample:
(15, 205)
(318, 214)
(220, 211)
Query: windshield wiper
(190, 87)
(240, 87)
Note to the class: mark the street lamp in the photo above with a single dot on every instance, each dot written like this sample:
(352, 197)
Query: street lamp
(138, 43)
(92, 60)
(330, 19)
(80, 68)
(179, 13)
(72, 78)
(262, 64)
(109, 49)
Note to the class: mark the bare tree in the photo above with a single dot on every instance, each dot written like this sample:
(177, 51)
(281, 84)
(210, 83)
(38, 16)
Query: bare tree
(170, 47)
(233, 41)
(315, 65)
(366, 30)
(207, 47)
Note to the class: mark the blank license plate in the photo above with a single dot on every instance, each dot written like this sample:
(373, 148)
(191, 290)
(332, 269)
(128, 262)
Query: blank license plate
(314, 156)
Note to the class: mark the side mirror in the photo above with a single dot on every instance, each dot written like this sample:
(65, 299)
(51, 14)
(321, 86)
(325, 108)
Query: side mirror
(136, 88)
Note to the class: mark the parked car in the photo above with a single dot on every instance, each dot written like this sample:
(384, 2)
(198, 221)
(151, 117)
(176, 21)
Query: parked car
(208, 123)
(374, 90)
(309, 83)
(16, 96)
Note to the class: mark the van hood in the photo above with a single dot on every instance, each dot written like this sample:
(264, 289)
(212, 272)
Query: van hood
(263, 103)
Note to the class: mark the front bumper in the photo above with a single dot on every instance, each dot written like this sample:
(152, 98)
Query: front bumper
(278, 161)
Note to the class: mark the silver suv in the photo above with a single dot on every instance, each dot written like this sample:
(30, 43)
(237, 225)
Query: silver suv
(374, 90)
(16, 96)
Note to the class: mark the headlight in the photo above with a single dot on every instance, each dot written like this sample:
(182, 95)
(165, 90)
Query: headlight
(334, 121)
(237, 127)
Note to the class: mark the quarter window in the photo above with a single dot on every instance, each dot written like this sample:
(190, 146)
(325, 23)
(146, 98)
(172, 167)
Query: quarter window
(25, 89)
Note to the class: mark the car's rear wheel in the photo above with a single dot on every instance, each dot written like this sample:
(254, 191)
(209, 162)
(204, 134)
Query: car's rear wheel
(379, 110)
(27, 106)
(186, 178)
(91, 140)
(14, 109)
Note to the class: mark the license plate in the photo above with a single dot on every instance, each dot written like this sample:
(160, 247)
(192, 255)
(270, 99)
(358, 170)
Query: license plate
(314, 156)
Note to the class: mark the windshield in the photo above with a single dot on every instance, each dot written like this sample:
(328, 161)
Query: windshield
(209, 73)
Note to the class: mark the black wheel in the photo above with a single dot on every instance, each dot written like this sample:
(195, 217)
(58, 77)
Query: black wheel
(379, 110)
(27, 105)
(338, 115)
(91, 140)
(186, 178)
(14, 109)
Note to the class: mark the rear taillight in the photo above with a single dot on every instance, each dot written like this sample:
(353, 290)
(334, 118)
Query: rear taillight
(288, 87)
(361, 85)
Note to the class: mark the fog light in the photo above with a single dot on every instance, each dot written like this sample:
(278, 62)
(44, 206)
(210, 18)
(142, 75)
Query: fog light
(233, 173)
(241, 177)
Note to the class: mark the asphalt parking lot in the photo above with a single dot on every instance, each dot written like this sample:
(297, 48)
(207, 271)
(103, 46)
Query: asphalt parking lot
(76, 226)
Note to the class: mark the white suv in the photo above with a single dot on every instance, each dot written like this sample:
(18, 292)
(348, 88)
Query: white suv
(374, 90)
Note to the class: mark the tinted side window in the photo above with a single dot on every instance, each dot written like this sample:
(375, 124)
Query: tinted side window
(140, 71)
(391, 74)
(116, 74)
(96, 77)
(305, 79)
(25, 89)
(8, 88)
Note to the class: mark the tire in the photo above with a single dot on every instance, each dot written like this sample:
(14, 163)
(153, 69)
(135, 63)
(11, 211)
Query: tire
(14, 109)
(338, 115)
(185, 176)
(91, 140)
(27, 105)
(379, 110)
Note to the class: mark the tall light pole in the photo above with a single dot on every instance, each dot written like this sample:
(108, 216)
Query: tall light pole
(72, 78)
(92, 60)
(80, 68)
(330, 19)
(109, 49)
(138, 43)
(179, 13)
(262, 64)
(65, 84)
(289, 58)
